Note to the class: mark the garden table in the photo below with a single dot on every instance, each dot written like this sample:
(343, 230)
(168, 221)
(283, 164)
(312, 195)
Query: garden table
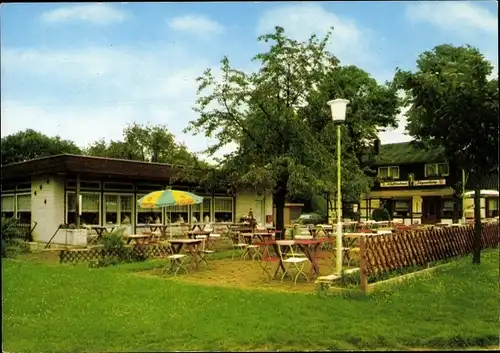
(161, 227)
(193, 247)
(100, 230)
(138, 238)
(309, 247)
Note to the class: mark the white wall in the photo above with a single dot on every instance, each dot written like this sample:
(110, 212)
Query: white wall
(47, 206)
(261, 205)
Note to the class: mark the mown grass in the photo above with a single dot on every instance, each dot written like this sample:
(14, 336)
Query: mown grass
(61, 308)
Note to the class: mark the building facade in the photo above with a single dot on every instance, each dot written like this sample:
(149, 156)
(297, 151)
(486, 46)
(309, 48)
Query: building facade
(45, 191)
(417, 186)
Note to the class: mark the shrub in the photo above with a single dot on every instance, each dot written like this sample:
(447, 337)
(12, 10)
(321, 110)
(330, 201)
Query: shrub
(12, 243)
(381, 214)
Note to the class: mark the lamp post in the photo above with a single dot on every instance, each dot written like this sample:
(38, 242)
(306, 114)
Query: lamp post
(338, 107)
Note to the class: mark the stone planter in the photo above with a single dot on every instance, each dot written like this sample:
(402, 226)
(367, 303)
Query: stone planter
(33, 246)
(76, 236)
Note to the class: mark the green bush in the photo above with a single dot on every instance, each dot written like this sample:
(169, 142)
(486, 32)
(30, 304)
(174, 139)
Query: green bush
(12, 243)
(380, 214)
(115, 252)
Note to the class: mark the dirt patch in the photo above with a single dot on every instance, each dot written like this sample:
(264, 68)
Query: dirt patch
(243, 274)
(45, 256)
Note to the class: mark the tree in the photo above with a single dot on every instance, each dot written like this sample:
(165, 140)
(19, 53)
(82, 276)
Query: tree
(148, 143)
(455, 105)
(30, 144)
(279, 149)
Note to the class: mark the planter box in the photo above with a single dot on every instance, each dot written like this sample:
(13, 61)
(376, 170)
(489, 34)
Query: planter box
(77, 236)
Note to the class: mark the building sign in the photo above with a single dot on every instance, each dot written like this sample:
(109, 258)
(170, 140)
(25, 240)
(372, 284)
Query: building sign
(392, 184)
(429, 182)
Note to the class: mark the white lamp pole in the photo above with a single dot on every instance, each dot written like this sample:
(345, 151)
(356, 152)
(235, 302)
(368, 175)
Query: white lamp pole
(338, 107)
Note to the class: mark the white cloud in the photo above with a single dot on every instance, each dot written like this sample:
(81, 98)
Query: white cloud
(349, 42)
(198, 25)
(110, 87)
(454, 16)
(100, 14)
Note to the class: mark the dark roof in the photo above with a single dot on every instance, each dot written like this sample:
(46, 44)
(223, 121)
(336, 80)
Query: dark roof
(408, 153)
(488, 182)
(94, 166)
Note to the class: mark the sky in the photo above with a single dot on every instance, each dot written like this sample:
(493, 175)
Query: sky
(83, 71)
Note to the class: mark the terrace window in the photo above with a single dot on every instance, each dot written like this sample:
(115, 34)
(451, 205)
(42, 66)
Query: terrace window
(177, 214)
(223, 209)
(447, 209)
(388, 172)
(200, 211)
(8, 206)
(492, 210)
(24, 208)
(437, 169)
(148, 215)
(91, 210)
(118, 209)
(402, 208)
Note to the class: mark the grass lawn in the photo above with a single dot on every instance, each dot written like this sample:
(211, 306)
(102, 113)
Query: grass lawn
(49, 307)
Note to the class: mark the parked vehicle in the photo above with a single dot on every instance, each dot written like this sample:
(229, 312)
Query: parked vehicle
(310, 218)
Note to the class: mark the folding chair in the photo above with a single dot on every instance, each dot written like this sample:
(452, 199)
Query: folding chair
(206, 254)
(291, 262)
(266, 261)
(175, 262)
(238, 246)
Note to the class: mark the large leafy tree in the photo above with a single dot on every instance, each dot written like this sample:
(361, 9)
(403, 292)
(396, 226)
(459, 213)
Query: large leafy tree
(278, 119)
(30, 144)
(149, 143)
(454, 104)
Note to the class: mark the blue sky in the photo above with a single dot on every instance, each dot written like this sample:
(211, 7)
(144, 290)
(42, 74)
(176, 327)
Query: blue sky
(83, 71)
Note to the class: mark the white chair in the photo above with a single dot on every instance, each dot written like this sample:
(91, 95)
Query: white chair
(205, 253)
(175, 261)
(239, 246)
(291, 262)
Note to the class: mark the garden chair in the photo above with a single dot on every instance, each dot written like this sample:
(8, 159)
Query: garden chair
(251, 250)
(291, 262)
(206, 254)
(267, 261)
(239, 246)
(175, 262)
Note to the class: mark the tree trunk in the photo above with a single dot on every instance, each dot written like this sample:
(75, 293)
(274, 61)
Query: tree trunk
(476, 255)
(279, 201)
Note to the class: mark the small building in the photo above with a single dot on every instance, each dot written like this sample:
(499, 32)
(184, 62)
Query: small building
(44, 191)
(416, 185)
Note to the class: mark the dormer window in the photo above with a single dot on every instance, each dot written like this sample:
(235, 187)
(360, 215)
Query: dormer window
(437, 169)
(388, 172)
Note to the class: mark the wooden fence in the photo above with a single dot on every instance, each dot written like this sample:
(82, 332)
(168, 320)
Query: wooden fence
(389, 252)
(138, 252)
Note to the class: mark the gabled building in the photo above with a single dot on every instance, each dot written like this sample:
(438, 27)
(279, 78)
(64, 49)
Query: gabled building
(417, 186)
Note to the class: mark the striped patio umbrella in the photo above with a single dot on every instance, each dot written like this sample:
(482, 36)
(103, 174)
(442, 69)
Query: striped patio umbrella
(169, 197)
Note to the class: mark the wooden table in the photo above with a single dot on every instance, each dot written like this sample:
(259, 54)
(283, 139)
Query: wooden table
(138, 238)
(193, 247)
(100, 230)
(163, 229)
(193, 233)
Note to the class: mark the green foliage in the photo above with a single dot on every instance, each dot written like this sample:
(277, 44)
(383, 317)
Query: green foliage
(381, 214)
(30, 144)
(439, 311)
(454, 104)
(148, 143)
(279, 120)
(12, 243)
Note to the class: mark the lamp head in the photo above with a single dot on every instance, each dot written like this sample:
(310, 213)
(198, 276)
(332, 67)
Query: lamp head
(338, 107)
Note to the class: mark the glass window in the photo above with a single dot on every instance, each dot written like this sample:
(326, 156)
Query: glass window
(204, 208)
(388, 172)
(148, 215)
(126, 205)
(24, 208)
(110, 209)
(177, 214)
(90, 208)
(437, 169)
(443, 169)
(8, 206)
(492, 208)
(223, 209)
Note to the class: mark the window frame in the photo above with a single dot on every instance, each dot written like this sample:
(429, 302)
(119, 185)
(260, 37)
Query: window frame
(437, 174)
(119, 207)
(389, 176)
(16, 203)
(68, 192)
(137, 208)
(223, 198)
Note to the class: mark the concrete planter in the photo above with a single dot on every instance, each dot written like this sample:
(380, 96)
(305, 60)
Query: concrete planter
(33, 246)
(77, 236)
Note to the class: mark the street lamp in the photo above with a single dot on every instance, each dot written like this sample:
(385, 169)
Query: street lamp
(338, 107)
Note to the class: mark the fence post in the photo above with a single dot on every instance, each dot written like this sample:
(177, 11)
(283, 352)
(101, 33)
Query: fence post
(362, 264)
